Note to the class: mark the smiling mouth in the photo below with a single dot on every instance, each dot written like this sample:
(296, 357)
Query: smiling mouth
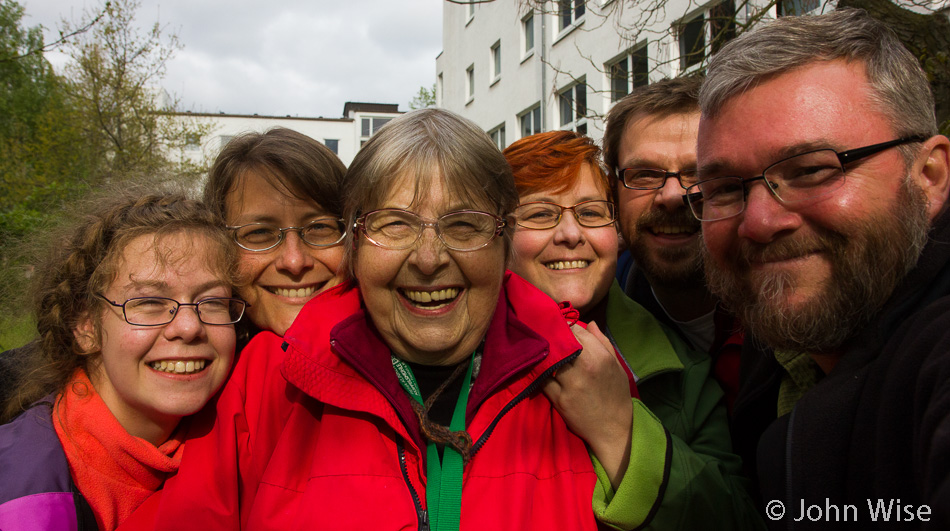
(179, 367)
(567, 264)
(430, 300)
(293, 293)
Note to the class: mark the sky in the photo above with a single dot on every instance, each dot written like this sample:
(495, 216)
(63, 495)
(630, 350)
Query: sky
(282, 57)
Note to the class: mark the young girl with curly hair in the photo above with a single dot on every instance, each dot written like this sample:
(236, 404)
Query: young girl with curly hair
(136, 331)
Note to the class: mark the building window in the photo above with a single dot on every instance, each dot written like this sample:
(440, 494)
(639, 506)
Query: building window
(530, 121)
(192, 141)
(573, 106)
(498, 136)
(571, 11)
(790, 8)
(631, 71)
(496, 60)
(438, 90)
(369, 126)
(692, 41)
(527, 29)
(333, 144)
(715, 26)
(470, 83)
(722, 24)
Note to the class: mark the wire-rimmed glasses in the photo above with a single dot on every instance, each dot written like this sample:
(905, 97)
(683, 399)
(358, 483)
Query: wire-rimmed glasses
(796, 179)
(462, 230)
(540, 215)
(258, 237)
(158, 311)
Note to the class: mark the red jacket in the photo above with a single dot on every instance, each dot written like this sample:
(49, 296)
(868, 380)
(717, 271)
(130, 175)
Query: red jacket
(334, 444)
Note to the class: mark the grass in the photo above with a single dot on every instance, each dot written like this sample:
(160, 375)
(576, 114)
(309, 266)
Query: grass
(16, 331)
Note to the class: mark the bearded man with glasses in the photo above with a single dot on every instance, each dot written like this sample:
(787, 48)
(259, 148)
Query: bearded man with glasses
(822, 188)
(650, 149)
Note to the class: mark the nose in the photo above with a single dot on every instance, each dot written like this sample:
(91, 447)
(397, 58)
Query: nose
(568, 231)
(185, 325)
(293, 254)
(670, 196)
(429, 253)
(765, 218)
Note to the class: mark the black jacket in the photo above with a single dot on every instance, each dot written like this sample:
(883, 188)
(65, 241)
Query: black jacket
(877, 427)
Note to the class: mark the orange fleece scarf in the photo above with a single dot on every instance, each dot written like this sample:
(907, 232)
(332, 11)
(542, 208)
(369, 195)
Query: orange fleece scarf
(114, 470)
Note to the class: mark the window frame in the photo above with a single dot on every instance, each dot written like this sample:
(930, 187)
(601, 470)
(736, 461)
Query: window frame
(578, 111)
(495, 61)
(534, 120)
(636, 61)
(470, 84)
(497, 135)
(527, 35)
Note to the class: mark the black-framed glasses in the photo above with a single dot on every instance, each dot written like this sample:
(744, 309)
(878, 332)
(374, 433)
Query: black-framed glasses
(158, 311)
(654, 178)
(796, 179)
(540, 215)
(463, 230)
(258, 237)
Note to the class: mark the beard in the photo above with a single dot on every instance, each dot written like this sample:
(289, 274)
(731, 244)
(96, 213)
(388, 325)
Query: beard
(681, 266)
(866, 268)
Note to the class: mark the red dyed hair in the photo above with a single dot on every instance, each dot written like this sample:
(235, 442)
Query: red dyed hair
(552, 161)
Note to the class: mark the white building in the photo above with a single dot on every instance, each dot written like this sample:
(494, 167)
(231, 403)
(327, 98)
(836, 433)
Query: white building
(516, 70)
(344, 136)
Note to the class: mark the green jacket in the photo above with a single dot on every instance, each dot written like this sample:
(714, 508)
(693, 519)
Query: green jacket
(682, 472)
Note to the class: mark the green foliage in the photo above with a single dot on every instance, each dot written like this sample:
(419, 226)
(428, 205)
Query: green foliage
(424, 99)
(100, 122)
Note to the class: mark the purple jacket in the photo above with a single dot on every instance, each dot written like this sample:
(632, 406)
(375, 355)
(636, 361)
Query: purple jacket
(36, 490)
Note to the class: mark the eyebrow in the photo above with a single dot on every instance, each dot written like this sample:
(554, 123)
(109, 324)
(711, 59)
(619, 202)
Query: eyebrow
(159, 285)
(722, 166)
(271, 220)
(546, 199)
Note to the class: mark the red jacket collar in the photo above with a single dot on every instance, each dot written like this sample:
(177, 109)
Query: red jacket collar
(526, 333)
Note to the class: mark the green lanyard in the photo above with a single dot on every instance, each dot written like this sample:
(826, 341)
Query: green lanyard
(444, 480)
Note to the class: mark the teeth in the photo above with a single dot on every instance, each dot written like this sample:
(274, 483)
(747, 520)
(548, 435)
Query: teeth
(568, 264)
(293, 293)
(426, 297)
(179, 367)
(673, 230)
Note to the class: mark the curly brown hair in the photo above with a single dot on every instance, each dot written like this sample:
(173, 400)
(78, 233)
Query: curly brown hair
(84, 262)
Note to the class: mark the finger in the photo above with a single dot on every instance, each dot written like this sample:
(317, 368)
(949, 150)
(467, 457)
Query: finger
(604, 340)
(552, 389)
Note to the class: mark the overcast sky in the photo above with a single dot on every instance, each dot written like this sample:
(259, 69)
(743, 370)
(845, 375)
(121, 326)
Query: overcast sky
(279, 57)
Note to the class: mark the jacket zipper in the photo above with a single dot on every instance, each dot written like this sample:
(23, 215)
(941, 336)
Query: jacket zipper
(421, 514)
(521, 396)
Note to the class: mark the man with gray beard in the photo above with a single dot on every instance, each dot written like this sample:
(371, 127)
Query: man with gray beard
(822, 193)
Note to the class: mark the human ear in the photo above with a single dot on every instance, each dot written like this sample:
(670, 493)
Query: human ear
(931, 172)
(85, 334)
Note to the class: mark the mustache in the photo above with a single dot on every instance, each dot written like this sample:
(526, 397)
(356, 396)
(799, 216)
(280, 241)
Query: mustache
(679, 217)
(830, 243)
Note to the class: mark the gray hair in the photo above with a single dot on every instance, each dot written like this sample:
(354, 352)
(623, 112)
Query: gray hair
(899, 86)
(664, 98)
(428, 144)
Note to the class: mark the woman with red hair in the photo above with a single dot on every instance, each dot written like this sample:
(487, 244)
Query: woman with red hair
(664, 460)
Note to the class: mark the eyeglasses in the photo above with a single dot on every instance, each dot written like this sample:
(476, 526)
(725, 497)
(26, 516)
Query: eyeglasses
(540, 215)
(803, 177)
(158, 311)
(258, 237)
(464, 230)
(654, 179)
